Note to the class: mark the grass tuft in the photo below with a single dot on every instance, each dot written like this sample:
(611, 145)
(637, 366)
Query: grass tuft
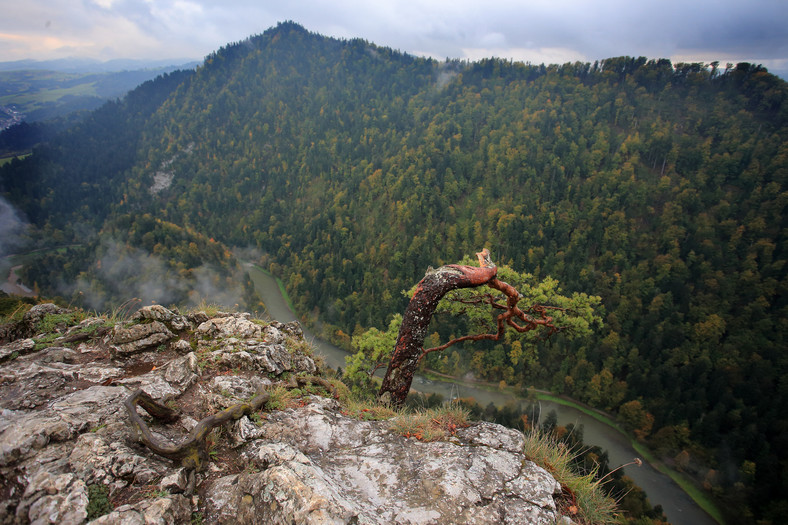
(433, 424)
(366, 410)
(585, 500)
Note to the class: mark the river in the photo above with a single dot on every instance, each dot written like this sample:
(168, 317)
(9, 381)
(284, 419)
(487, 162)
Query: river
(679, 508)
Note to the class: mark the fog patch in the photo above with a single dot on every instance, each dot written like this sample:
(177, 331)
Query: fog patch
(12, 228)
(447, 71)
(251, 254)
(123, 274)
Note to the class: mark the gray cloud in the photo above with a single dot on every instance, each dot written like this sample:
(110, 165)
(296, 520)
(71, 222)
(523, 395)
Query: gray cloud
(538, 30)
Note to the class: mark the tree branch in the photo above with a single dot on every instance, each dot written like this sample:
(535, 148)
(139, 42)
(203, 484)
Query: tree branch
(437, 283)
(429, 291)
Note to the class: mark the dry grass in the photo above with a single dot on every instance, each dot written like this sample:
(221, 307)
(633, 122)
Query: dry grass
(585, 500)
(433, 424)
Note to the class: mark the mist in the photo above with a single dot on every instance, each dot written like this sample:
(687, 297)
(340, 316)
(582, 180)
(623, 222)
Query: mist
(11, 228)
(124, 275)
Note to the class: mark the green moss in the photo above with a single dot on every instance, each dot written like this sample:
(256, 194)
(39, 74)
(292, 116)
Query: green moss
(98, 501)
(51, 322)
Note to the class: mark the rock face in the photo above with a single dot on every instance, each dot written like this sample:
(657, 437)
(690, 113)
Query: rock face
(66, 448)
(314, 465)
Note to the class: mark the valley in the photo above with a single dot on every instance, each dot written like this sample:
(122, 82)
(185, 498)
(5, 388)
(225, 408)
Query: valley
(347, 169)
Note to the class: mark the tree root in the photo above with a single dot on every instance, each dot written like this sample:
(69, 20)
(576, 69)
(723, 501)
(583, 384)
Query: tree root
(193, 453)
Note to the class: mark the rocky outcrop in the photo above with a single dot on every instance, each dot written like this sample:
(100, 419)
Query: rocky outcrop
(314, 465)
(66, 442)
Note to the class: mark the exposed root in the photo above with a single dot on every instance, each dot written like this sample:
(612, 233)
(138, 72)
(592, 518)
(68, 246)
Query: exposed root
(193, 453)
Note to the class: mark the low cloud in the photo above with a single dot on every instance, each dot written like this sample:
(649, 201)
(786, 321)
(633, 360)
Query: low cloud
(12, 227)
(125, 274)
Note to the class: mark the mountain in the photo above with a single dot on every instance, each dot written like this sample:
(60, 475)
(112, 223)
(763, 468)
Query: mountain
(350, 168)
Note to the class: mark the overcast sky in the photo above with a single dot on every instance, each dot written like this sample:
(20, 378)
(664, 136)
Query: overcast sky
(549, 31)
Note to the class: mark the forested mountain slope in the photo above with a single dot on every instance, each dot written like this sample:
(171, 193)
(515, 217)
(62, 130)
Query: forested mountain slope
(352, 167)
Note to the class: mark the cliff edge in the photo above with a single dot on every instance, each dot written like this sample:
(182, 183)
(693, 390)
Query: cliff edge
(69, 455)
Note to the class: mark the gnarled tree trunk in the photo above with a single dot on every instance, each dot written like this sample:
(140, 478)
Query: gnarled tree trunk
(408, 350)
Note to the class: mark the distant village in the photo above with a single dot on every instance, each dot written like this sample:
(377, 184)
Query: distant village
(9, 116)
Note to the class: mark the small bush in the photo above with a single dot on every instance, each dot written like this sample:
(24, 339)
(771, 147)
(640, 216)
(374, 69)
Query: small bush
(98, 501)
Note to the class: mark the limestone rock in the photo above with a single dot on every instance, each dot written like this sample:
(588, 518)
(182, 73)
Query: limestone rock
(49, 498)
(317, 466)
(176, 482)
(63, 428)
(18, 347)
(239, 387)
(22, 434)
(28, 326)
(107, 456)
(136, 338)
(181, 346)
(29, 382)
(157, 312)
(172, 510)
(169, 381)
(231, 326)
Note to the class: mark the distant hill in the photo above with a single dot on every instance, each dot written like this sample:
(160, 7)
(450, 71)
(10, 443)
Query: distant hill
(39, 90)
(350, 168)
(87, 65)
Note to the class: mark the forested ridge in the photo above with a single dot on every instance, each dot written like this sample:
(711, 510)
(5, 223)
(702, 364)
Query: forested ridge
(352, 168)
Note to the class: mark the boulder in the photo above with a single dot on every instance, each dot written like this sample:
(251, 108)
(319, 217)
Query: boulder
(231, 326)
(314, 465)
(157, 312)
(139, 337)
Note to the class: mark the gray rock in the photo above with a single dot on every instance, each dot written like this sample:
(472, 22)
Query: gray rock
(37, 313)
(181, 346)
(136, 338)
(239, 387)
(175, 482)
(30, 382)
(258, 356)
(49, 498)
(106, 456)
(317, 466)
(306, 465)
(18, 347)
(157, 312)
(28, 326)
(231, 326)
(197, 318)
(168, 381)
(22, 434)
(291, 329)
(172, 510)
